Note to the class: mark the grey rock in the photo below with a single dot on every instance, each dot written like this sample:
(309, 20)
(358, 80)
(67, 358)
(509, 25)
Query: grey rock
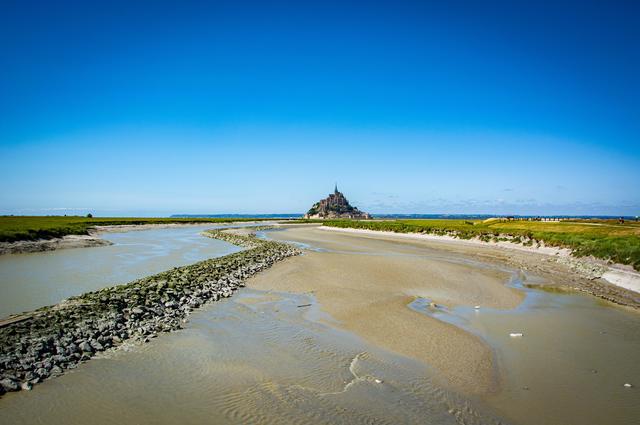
(9, 384)
(97, 345)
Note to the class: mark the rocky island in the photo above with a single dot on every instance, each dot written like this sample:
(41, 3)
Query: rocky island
(335, 206)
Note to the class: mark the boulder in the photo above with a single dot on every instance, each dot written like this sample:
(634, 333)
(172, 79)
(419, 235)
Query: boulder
(9, 384)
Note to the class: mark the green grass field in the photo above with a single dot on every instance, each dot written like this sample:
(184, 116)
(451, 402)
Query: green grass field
(15, 228)
(605, 239)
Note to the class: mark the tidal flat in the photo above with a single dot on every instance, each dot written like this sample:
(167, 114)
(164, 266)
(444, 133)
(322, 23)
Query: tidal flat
(570, 365)
(365, 329)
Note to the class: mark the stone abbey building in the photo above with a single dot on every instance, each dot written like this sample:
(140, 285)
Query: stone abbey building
(335, 206)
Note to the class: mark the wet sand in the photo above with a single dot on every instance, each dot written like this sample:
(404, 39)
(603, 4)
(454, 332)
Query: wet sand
(346, 334)
(368, 295)
(571, 363)
(253, 358)
(374, 285)
(614, 282)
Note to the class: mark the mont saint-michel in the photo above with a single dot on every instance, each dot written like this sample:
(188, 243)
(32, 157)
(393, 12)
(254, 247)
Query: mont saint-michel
(335, 205)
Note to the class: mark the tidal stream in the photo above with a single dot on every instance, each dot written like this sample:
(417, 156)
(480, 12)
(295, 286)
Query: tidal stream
(30, 281)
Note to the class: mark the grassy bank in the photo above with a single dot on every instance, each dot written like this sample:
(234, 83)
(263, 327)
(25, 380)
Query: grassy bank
(608, 240)
(16, 228)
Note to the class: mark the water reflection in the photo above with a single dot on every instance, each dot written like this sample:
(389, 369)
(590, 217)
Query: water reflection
(255, 358)
(570, 363)
(30, 281)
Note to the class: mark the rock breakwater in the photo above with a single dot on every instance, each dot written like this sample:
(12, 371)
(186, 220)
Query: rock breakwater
(44, 343)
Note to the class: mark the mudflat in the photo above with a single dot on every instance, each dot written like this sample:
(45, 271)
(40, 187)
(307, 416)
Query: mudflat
(365, 284)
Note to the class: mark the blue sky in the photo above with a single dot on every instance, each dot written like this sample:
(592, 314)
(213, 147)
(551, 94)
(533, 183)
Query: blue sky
(248, 107)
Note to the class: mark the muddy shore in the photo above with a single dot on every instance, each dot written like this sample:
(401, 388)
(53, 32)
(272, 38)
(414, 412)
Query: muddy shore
(69, 241)
(360, 288)
(614, 282)
(42, 344)
(371, 302)
(367, 293)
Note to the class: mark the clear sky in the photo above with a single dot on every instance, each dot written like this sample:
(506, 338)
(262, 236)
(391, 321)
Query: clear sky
(156, 108)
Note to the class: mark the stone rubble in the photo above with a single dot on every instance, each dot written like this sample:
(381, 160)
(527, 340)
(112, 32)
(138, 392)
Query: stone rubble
(586, 269)
(56, 338)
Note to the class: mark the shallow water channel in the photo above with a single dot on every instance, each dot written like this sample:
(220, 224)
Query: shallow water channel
(254, 358)
(30, 281)
(570, 363)
(572, 360)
